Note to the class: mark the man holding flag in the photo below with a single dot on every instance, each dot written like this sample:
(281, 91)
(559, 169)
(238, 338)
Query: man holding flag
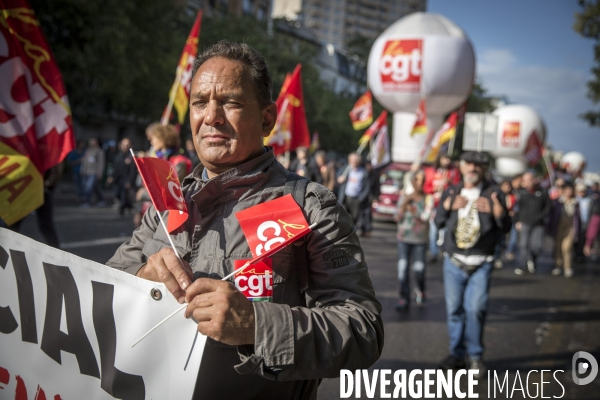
(301, 331)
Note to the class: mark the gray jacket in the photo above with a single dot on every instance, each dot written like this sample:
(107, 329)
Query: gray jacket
(306, 333)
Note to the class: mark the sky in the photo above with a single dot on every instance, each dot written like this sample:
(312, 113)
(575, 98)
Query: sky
(528, 51)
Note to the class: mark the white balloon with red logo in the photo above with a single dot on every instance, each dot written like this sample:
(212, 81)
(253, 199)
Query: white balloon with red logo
(516, 123)
(422, 55)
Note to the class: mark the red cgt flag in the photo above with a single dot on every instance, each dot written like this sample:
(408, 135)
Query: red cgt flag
(162, 183)
(374, 128)
(35, 117)
(533, 149)
(420, 126)
(361, 114)
(291, 129)
(273, 225)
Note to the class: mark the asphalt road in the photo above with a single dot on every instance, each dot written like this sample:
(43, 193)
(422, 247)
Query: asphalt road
(535, 322)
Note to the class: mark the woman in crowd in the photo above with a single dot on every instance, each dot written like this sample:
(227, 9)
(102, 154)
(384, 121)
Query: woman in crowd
(412, 216)
(564, 227)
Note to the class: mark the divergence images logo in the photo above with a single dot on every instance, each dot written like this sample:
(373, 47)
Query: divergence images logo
(581, 368)
(400, 65)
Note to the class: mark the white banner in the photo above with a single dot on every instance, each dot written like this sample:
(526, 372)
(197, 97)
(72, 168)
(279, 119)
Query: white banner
(67, 325)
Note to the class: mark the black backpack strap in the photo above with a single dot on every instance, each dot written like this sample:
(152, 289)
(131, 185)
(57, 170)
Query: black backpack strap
(296, 186)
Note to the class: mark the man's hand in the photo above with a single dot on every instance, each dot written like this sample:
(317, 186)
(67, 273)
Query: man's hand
(223, 313)
(518, 226)
(587, 250)
(483, 205)
(165, 267)
(459, 202)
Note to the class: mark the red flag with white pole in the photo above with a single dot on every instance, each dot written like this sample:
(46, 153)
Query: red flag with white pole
(162, 183)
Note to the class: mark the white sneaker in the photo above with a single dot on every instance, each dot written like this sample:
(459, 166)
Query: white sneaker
(498, 264)
(531, 266)
(568, 273)
(556, 271)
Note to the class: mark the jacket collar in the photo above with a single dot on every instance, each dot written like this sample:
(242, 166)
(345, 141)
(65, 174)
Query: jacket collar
(231, 184)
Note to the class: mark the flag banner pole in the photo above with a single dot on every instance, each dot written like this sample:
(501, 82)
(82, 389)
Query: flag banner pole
(165, 117)
(549, 167)
(237, 271)
(162, 222)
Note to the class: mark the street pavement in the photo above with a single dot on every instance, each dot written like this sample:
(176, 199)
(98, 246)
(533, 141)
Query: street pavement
(535, 322)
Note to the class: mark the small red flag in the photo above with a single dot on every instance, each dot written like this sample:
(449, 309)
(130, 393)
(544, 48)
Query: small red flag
(374, 128)
(421, 122)
(273, 225)
(361, 114)
(162, 183)
(533, 149)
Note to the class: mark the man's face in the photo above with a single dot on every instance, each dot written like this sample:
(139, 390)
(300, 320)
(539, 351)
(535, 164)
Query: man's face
(227, 121)
(445, 162)
(472, 173)
(528, 181)
(125, 145)
(354, 160)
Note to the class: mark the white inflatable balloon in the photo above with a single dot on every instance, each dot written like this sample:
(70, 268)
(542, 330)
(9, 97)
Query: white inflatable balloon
(422, 55)
(516, 123)
(573, 162)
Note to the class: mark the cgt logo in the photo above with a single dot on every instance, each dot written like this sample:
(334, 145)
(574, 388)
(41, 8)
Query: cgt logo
(400, 65)
(510, 134)
(582, 363)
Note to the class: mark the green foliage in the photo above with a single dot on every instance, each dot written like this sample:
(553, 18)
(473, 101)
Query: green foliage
(116, 57)
(587, 24)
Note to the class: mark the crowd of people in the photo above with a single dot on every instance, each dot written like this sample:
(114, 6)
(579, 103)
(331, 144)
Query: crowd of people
(455, 212)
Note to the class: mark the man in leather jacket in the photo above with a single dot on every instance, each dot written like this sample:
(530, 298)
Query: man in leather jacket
(324, 315)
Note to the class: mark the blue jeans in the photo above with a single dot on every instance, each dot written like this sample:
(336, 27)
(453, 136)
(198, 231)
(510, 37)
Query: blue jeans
(466, 305)
(405, 250)
(91, 185)
(512, 240)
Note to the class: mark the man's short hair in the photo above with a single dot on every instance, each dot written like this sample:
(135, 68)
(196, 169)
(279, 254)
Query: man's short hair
(254, 62)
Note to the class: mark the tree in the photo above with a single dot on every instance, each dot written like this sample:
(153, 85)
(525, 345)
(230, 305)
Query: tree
(117, 58)
(587, 24)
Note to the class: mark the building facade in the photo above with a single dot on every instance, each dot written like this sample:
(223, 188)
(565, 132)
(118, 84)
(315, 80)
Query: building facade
(339, 21)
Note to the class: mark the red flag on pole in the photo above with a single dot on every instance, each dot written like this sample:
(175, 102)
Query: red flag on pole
(162, 183)
(35, 118)
(374, 128)
(421, 122)
(272, 225)
(179, 95)
(291, 129)
(362, 113)
(533, 149)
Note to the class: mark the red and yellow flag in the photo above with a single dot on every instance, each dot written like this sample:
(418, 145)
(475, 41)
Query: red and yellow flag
(362, 113)
(179, 96)
(420, 126)
(35, 118)
(443, 135)
(374, 128)
(291, 129)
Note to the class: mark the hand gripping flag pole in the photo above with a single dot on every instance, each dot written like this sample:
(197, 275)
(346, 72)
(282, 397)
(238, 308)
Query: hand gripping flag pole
(288, 221)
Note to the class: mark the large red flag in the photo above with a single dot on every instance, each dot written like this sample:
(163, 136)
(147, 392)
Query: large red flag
(272, 225)
(179, 96)
(162, 183)
(35, 118)
(291, 129)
